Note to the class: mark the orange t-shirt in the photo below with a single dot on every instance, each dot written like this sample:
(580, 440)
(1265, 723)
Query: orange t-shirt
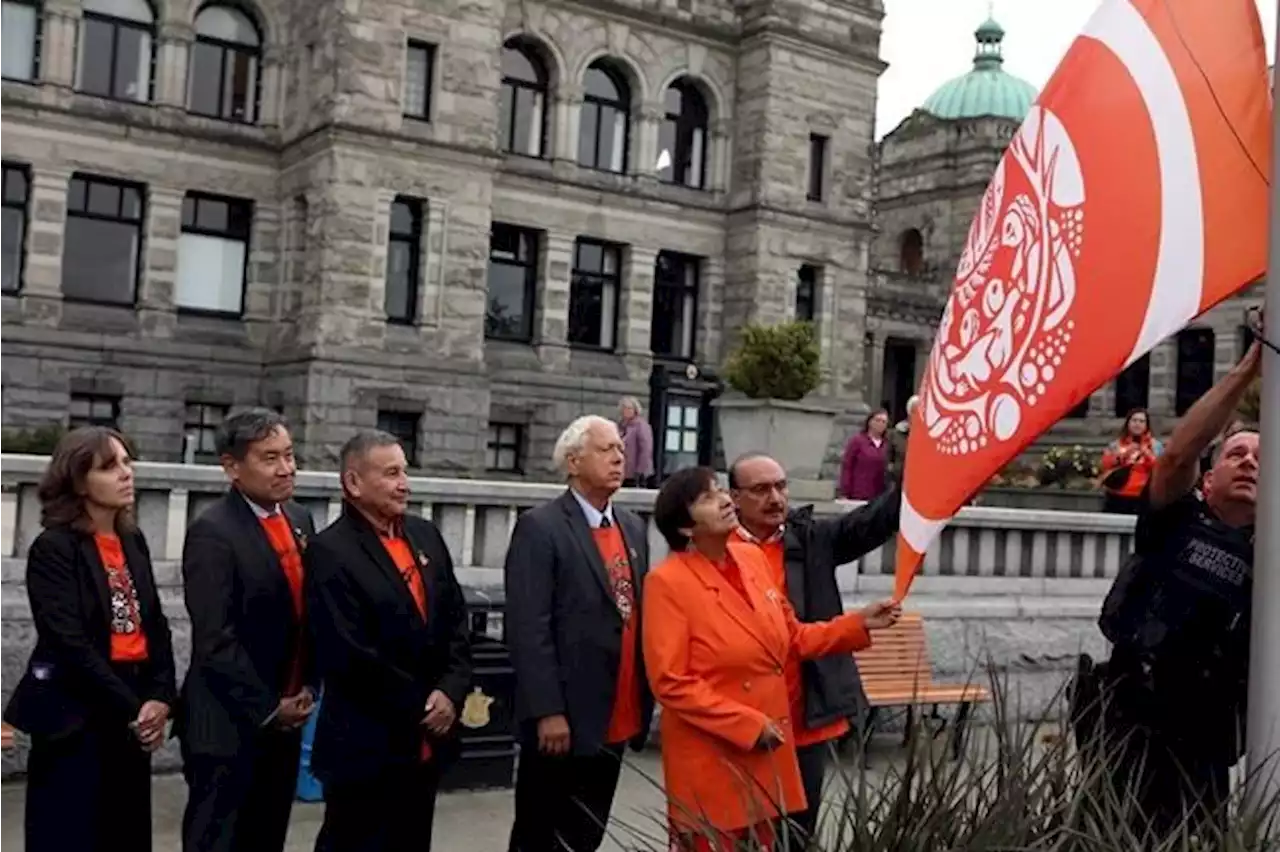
(280, 534)
(624, 723)
(805, 736)
(398, 549)
(128, 640)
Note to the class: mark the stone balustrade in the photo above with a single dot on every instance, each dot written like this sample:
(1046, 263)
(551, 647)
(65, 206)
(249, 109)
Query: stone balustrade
(1016, 587)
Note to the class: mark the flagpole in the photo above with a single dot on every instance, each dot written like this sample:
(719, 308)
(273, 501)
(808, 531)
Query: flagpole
(1264, 664)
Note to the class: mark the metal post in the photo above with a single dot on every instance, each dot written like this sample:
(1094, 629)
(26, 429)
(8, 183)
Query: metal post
(1264, 665)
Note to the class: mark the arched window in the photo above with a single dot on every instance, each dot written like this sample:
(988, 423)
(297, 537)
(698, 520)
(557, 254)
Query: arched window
(605, 125)
(226, 62)
(522, 106)
(911, 251)
(117, 50)
(683, 136)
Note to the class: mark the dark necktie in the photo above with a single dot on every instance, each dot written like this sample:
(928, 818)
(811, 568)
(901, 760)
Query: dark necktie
(604, 522)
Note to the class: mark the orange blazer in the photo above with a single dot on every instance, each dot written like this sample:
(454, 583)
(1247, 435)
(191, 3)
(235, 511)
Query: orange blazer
(716, 665)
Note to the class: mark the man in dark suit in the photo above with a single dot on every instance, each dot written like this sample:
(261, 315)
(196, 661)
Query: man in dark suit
(804, 552)
(574, 573)
(392, 648)
(250, 686)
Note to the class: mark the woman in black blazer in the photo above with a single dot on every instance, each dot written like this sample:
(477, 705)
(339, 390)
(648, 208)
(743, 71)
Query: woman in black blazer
(96, 694)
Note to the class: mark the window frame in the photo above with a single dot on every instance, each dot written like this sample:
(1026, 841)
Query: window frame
(515, 85)
(25, 209)
(494, 446)
(811, 284)
(202, 427)
(530, 281)
(414, 241)
(431, 51)
(387, 417)
(684, 287)
(91, 398)
(624, 106)
(37, 40)
(816, 188)
(140, 248)
(197, 196)
(117, 24)
(254, 52)
(580, 277)
(681, 122)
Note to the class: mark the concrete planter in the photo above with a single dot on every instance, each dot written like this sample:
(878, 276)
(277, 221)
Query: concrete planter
(1047, 499)
(795, 433)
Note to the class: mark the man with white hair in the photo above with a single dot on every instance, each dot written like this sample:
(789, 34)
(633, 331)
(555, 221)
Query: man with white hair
(574, 572)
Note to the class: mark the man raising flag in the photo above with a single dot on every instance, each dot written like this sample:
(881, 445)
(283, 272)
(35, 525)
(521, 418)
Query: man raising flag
(1132, 199)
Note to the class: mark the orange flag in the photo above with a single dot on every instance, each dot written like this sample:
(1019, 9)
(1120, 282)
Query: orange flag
(1132, 199)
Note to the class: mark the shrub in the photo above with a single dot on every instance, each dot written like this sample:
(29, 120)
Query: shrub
(1020, 785)
(1066, 466)
(775, 362)
(36, 441)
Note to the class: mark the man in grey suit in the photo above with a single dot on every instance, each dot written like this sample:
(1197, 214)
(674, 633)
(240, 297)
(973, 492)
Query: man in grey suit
(574, 573)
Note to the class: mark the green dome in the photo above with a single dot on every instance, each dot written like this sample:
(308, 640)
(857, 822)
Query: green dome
(986, 90)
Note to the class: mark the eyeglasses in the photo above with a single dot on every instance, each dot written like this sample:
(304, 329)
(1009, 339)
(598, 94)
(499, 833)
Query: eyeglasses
(764, 489)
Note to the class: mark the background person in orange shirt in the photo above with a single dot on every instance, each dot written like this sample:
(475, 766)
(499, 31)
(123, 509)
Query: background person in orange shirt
(393, 650)
(251, 684)
(718, 634)
(803, 552)
(1127, 463)
(96, 693)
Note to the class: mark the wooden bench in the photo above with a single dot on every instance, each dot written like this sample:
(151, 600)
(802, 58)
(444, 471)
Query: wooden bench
(896, 672)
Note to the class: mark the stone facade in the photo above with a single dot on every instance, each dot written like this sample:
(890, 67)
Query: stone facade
(332, 148)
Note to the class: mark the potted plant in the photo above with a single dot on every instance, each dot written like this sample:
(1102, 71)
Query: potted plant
(773, 369)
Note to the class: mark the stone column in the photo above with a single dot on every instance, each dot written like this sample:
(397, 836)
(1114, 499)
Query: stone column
(708, 343)
(875, 382)
(173, 52)
(826, 329)
(1164, 380)
(272, 71)
(551, 319)
(564, 139)
(432, 262)
(46, 227)
(58, 42)
(719, 155)
(378, 255)
(157, 307)
(635, 311)
(263, 272)
(645, 121)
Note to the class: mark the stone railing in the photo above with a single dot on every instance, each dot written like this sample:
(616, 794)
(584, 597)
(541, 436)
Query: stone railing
(1020, 588)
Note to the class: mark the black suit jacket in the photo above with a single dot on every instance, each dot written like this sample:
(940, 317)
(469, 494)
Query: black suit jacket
(70, 679)
(378, 658)
(814, 548)
(563, 627)
(244, 629)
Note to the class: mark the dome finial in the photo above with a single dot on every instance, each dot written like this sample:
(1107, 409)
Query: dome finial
(989, 35)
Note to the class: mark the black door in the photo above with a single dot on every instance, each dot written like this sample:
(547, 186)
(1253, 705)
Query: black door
(682, 418)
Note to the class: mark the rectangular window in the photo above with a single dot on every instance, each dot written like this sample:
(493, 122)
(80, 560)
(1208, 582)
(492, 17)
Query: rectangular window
(102, 244)
(593, 294)
(506, 447)
(675, 305)
(200, 431)
(513, 281)
(404, 250)
(13, 229)
(419, 70)
(807, 293)
(91, 409)
(213, 253)
(404, 425)
(20, 31)
(817, 166)
(1196, 354)
(116, 58)
(1133, 386)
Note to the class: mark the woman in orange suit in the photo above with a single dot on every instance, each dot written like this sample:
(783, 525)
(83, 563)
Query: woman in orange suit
(716, 638)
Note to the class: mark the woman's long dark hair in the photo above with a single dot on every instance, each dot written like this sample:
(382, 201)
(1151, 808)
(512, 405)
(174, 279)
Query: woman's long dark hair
(61, 490)
(866, 424)
(1124, 427)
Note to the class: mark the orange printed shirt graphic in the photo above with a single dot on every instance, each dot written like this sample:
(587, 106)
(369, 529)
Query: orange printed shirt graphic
(624, 723)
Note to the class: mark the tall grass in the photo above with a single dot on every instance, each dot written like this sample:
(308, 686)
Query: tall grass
(1021, 783)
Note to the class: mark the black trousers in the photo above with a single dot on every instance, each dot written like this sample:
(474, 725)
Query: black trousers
(801, 826)
(242, 803)
(563, 803)
(1113, 504)
(89, 791)
(391, 813)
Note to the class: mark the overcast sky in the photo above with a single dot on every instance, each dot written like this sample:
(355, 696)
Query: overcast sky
(927, 42)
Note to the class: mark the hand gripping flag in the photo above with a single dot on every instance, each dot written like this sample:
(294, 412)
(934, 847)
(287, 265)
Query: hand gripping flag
(1132, 199)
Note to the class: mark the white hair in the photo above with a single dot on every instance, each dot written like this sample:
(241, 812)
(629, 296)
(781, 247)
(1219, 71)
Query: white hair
(633, 402)
(574, 438)
(912, 403)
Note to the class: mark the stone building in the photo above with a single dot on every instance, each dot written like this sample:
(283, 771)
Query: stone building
(466, 222)
(932, 170)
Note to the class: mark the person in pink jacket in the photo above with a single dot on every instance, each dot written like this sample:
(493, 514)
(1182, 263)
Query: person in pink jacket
(866, 460)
